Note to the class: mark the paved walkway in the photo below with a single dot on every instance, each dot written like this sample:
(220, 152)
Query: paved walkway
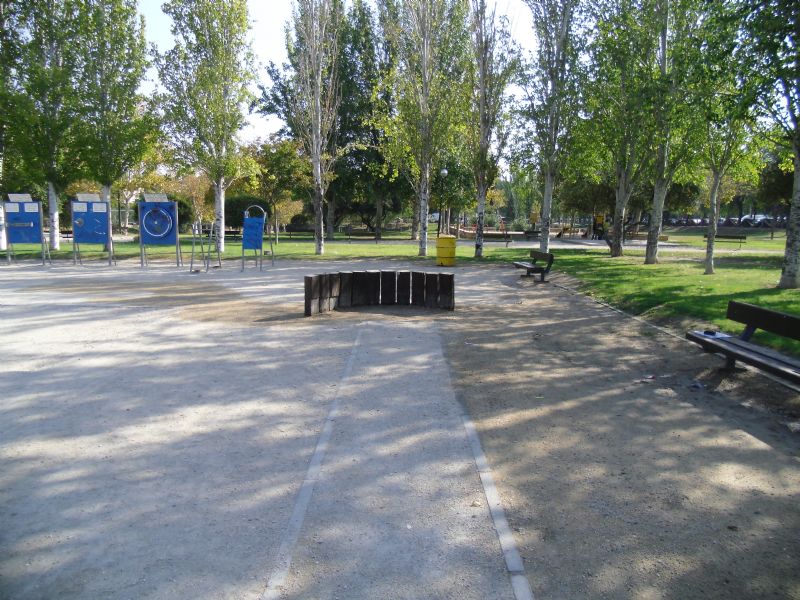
(148, 450)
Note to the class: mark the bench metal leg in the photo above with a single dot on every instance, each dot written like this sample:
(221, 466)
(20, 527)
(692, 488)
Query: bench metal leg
(730, 363)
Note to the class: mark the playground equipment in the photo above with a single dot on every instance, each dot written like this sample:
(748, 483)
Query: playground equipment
(253, 236)
(205, 238)
(91, 224)
(158, 225)
(23, 224)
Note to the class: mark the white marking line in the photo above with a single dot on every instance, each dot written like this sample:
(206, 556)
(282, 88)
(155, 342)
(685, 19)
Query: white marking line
(516, 570)
(284, 558)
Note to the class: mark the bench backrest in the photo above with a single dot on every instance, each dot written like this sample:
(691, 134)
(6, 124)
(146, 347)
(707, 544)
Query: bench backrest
(537, 255)
(780, 323)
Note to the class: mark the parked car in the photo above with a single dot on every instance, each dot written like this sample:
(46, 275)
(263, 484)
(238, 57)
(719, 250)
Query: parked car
(756, 221)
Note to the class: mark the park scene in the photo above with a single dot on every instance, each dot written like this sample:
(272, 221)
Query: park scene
(399, 299)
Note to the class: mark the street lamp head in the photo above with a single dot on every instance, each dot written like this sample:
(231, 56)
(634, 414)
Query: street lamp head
(443, 172)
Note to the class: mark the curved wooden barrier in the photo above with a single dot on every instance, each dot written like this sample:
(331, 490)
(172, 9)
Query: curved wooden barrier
(329, 291)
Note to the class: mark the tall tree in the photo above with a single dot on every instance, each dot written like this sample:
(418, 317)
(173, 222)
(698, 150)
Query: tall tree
(495, 63)
(311, 94)
(116, 125)
(8, 56)
(552, 93)
(46, 104)
(430, 38)
(206, 77)
(675, 117)
(771, 43)
(619, 104)
(725, 99)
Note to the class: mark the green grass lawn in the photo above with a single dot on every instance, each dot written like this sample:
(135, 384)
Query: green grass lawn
(673, 292)
(758, 238)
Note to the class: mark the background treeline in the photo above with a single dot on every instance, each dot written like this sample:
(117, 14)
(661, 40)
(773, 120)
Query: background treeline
(641, 110)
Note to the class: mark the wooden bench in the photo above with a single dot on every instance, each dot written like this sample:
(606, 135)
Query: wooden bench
(534, 266)
(740, 348)
(742, 239)
(642, 237)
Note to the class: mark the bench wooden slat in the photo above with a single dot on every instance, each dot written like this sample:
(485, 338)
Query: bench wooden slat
(773, 321)
(534, 266)
(764, 358)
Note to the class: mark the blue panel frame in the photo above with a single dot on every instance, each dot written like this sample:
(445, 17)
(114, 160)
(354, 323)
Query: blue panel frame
(158, 223)
(23, 225)
(90, 226)
(253, 233)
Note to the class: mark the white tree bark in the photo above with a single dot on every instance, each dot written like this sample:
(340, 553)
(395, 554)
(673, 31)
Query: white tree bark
(790, 273)
(424, 198)
(219, 211)
(52, 206)
(3, 239)
(547, 210)
(712, 223)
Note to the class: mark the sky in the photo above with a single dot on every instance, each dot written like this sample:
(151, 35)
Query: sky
(268, 18)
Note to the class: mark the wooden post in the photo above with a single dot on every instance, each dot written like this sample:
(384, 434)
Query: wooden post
(404, 287)
(345, 289)
(388, 287)
(373, 288)
(447, 289)
(417, 288)
(312, 294)
(431, 290)
(359, 288)
(336, 287)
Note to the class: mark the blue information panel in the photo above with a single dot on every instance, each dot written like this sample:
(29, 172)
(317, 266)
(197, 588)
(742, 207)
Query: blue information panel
(24, 222)
(158, 223)
(90, 222)
(253, 233)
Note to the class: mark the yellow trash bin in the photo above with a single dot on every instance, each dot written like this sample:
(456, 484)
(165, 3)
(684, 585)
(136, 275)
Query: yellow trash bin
(446, 250)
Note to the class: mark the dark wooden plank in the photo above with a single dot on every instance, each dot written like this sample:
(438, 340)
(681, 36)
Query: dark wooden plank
(359, 288)
(431, 290)
(404, 287)
(373, 291)
(311, 302)
(345, 289)
(780, 323)
(447, 289)
(751, 354)
(388, 287)
(418, 288)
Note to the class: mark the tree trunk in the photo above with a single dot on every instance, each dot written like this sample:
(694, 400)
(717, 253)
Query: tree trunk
(52, 206)
(3, 240)
(656, 217)
(547, 210)
(331, 217)
(790, 273)
(277, 227)
(219, 212)
(621, 203)
(424, 198)
(712, 222)
(105, 196)
(415, 220)
(479, 227)
(378, 218)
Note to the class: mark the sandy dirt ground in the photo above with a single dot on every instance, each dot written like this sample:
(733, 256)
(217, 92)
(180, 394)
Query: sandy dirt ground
(629, 466)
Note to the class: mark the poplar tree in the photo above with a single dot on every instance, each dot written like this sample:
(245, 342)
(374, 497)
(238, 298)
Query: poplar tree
(46, 102)
(115, 123)
(206, 77)
(772, 49)
(619, 103)
(430, 40)
(495, 63)
(552, 94)
(311, 94)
